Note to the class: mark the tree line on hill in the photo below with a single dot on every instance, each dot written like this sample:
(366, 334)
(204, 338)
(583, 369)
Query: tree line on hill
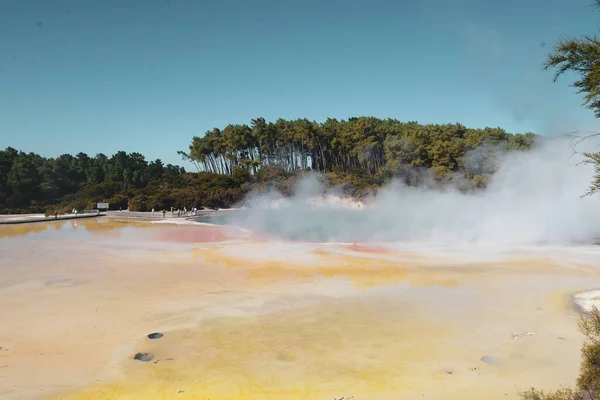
(360, 155)
(379, 147)
(32, 183)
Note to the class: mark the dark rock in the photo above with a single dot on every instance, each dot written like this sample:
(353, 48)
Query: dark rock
(449, 372)
(144, 357)
(155, 335)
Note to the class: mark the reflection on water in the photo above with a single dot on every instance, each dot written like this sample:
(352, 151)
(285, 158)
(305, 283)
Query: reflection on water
(10, 231)
(81, 228)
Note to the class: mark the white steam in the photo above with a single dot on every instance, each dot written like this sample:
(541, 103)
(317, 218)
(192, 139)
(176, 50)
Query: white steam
(534, 197)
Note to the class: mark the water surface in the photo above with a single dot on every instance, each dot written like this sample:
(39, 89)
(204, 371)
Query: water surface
(246, 318)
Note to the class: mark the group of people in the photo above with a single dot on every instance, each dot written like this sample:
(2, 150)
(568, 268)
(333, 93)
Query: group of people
(73, 211)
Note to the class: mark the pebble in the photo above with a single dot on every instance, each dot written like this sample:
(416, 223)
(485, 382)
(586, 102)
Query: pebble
(155, 335)
(144, 357)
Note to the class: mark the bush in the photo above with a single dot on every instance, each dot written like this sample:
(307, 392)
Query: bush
(119, 200)
(139, 203)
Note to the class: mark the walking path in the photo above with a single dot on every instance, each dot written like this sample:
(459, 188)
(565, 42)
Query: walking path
(30, 218)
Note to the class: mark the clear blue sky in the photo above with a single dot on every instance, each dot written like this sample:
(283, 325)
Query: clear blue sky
(147, 75)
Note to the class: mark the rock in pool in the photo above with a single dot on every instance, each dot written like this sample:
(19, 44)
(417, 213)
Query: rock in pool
(155, 335)
(144, 357)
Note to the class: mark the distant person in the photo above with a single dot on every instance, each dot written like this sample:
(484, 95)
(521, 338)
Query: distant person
(164, 213)
(153, 211)
(55, 215)
(120, 209)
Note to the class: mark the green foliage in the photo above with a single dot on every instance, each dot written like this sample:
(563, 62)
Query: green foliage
(191, 190)
(358, 155)
(581, 56)
(30, 183)
(561, 394)
(588, 383)
(594, 159)
(589, 376)
(590, 326)
(382, 149)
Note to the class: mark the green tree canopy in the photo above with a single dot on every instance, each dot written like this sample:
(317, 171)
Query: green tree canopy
(581, 56)
(381, 148)
(29, 182)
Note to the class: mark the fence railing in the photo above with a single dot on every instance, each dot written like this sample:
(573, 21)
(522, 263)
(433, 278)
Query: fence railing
(155, 214)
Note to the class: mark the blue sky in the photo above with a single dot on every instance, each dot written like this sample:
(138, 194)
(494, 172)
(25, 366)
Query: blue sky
(147, 75)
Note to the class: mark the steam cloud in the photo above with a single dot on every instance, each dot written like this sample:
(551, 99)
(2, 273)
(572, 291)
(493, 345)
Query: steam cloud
(533, 198)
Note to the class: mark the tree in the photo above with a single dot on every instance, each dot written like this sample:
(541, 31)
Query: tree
(358, 155)
(381, 148)
(582, 57)
(31, 183)
(594, 158)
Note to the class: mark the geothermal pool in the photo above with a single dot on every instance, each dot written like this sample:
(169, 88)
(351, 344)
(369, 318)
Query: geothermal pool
(244, 317)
